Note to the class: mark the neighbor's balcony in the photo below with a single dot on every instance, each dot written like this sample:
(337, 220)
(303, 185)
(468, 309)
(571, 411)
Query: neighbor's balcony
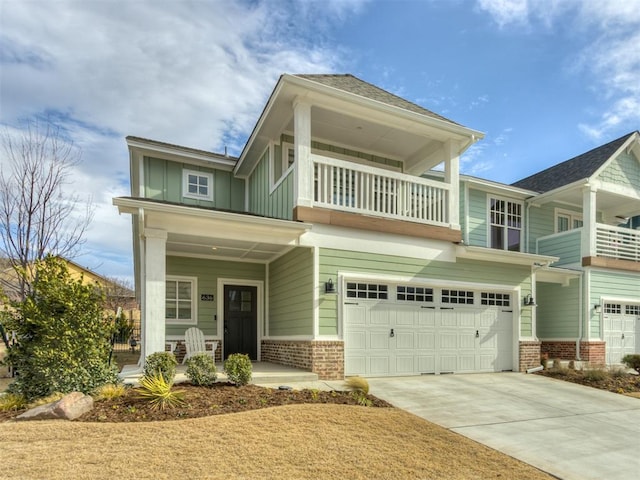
(611, 242)
(367, 190)
(618, 243)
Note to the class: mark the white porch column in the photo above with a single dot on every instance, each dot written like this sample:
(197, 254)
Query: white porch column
(303, 190)
(153, 330)
(452, 178)
(589, 221)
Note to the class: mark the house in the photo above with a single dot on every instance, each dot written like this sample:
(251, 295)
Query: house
(343, 240)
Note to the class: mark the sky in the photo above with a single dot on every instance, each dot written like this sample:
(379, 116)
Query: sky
(545, 80)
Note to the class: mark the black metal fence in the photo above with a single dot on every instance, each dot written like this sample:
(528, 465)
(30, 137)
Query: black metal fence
(127, 341)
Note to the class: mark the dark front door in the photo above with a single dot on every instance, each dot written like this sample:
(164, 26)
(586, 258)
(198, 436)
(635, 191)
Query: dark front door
(240, 320)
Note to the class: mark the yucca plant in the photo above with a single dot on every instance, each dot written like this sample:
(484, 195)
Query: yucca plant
(159, 392)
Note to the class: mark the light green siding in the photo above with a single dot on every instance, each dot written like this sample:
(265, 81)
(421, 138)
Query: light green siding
(558, 311)
(565, 245)
(334, 261)
(291, 294)
(623, 170)
(477, 218)
(610, 284)
(276, 204)
(163, 181)
(207, 272)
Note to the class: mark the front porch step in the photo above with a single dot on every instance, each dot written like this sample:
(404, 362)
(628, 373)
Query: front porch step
(263, 373)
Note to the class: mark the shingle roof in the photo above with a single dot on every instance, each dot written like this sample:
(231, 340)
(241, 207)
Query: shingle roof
(352, 84)
(572, 170)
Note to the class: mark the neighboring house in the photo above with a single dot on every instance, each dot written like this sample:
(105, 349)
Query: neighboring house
(344, 241)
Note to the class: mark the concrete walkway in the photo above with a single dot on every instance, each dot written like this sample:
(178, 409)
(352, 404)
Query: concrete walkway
(568, 430)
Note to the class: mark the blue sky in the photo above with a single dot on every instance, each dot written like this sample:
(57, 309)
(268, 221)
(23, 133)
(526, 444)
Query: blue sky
(544, 79)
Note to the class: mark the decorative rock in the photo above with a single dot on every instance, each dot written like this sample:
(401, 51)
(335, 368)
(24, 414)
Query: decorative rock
(69, 407)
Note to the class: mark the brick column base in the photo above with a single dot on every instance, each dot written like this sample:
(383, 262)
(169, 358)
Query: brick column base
(529, 355)
(562, 350)
(324, 358)
(593, 352)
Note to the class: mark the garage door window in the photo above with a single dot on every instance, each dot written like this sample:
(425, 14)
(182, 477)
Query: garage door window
(367, 290)
(632, 309)
(414, 294)
(612, 308)
(495, 299)
(460, 297)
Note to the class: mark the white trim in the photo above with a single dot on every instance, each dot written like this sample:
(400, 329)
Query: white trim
(181, 154)
(503, 256)
(194, 300)
(217, 257)
(265, 322)
(559, 339)
(317, 291)
(175, 338)
(291, 338)
(239, 282)
(197, 196)
(573, 216)
(505, 226)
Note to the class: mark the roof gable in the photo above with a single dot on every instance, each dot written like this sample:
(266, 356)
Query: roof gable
(577, 168)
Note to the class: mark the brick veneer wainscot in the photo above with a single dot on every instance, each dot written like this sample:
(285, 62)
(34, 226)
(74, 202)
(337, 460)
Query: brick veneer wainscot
(324, 358)
(529, 355)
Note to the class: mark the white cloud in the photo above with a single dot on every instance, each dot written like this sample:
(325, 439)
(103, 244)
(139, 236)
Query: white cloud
(610, 63)
(190, 73)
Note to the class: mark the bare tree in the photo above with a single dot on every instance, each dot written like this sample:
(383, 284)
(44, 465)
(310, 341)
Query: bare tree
(38, 215)
(118, 294)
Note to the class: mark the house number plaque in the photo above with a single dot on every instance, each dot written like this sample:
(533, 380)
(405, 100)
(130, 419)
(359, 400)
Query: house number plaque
(206, 297)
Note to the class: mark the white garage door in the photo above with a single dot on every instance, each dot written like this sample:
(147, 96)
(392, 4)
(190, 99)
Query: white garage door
(410, 330)
(621, 330)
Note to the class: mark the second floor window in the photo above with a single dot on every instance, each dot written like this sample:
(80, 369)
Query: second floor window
(197, 185)
(566, 221)
(505, 220)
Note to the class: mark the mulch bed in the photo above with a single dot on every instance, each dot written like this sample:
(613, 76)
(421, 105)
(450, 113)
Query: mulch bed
(222, 398)
(624, 383)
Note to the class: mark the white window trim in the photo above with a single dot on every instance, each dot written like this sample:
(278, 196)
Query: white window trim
(506, 227)
(185, 185)
(194, 304)
(573, 216)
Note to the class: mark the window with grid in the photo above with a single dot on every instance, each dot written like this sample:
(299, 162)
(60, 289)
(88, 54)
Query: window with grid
(612, 308)
(495, 299)
(197, 185)
(414, 294)
(180, 300)
(505, 219)
(566, 221)
(460, 297)
(632, 309)
(367, 290)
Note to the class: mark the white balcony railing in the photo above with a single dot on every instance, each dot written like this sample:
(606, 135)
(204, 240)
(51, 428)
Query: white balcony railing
(373, 191)
(616, 242)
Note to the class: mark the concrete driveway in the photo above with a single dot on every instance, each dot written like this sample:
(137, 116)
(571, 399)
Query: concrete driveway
(567, 430)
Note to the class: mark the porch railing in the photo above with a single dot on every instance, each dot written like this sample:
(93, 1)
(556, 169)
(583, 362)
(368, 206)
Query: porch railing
(616, 242)
(374, 191)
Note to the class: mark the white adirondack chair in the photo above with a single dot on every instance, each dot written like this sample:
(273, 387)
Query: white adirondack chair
(195, 343)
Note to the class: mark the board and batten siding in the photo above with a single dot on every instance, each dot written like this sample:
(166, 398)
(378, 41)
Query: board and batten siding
(332, 261)
(207, 272)
(163, 181)
(610, 285)
(291, 285)
(623, 170)
(558, 311)
(262, 201)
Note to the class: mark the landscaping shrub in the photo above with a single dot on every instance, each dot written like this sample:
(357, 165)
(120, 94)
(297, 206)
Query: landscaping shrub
(238, 368)
(357, 384)
(63, 335)
(632, 361)
(109, 391)
(595, 375)
(12, 401)
(161, 363)
(201, 370)
(159, 392)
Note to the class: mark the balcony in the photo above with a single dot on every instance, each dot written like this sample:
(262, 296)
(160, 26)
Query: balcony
(349, 187)
(617, 243)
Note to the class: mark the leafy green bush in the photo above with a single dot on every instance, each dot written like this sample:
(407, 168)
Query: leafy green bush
(159, 392)
(632, 361)
(201, 370)
(161, 363)
(63, 336)
(238, 368)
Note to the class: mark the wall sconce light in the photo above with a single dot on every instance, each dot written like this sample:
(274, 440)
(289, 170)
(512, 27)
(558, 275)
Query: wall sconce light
(529, 301)
(329, 287)
(597, 308)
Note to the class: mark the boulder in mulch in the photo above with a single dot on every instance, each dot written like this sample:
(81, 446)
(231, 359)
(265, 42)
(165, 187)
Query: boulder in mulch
(69, 407)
